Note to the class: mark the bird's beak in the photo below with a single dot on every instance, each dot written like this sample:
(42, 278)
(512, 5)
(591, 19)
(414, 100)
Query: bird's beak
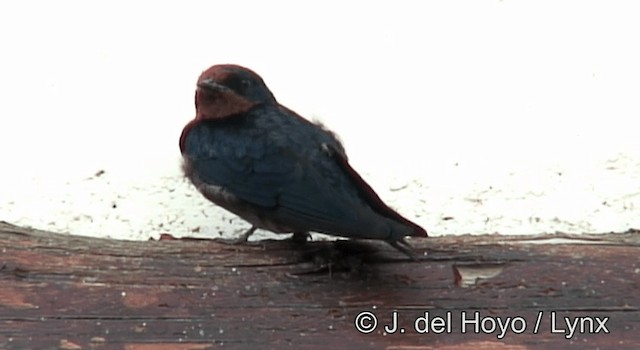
(211, 85)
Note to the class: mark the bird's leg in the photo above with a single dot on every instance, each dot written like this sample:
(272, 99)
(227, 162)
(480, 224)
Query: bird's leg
(241, 239)
(404, 247)
(300, 237)
(245, 236)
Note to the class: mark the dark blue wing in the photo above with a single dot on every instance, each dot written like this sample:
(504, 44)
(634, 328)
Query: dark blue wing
(265, 158)
(282, 163)
(226, 154)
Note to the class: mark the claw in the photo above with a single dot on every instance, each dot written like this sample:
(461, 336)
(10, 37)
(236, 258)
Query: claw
(300, 237)
(403, 246)
(242, 239)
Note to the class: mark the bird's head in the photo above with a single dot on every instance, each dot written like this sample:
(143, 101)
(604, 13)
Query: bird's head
(226, 90)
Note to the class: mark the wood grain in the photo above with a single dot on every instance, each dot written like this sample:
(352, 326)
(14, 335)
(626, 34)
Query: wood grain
(69, 292)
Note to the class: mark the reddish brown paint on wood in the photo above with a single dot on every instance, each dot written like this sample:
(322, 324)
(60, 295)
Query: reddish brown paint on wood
(70, 292)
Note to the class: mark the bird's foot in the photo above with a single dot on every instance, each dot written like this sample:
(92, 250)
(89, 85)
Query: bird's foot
(242, 239)
(403, 246)
(300, 237)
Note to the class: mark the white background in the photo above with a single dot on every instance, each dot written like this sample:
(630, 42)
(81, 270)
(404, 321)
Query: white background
(501, 116)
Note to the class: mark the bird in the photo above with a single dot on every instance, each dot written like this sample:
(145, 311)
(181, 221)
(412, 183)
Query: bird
(280, 172)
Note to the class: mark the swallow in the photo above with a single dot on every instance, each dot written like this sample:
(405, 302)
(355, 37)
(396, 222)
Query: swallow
(278, 171)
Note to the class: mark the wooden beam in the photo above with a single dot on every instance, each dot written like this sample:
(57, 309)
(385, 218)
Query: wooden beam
(71, 292)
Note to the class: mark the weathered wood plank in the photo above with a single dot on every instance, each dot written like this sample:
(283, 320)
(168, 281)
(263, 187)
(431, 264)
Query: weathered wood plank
(61, 291)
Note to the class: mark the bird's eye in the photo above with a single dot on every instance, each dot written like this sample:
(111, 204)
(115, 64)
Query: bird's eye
(238, 84)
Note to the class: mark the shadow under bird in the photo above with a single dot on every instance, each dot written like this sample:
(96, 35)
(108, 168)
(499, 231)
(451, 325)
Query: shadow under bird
(280, 172)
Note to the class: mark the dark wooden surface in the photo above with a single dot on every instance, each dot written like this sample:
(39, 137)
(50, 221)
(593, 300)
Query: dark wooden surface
(69, 292)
